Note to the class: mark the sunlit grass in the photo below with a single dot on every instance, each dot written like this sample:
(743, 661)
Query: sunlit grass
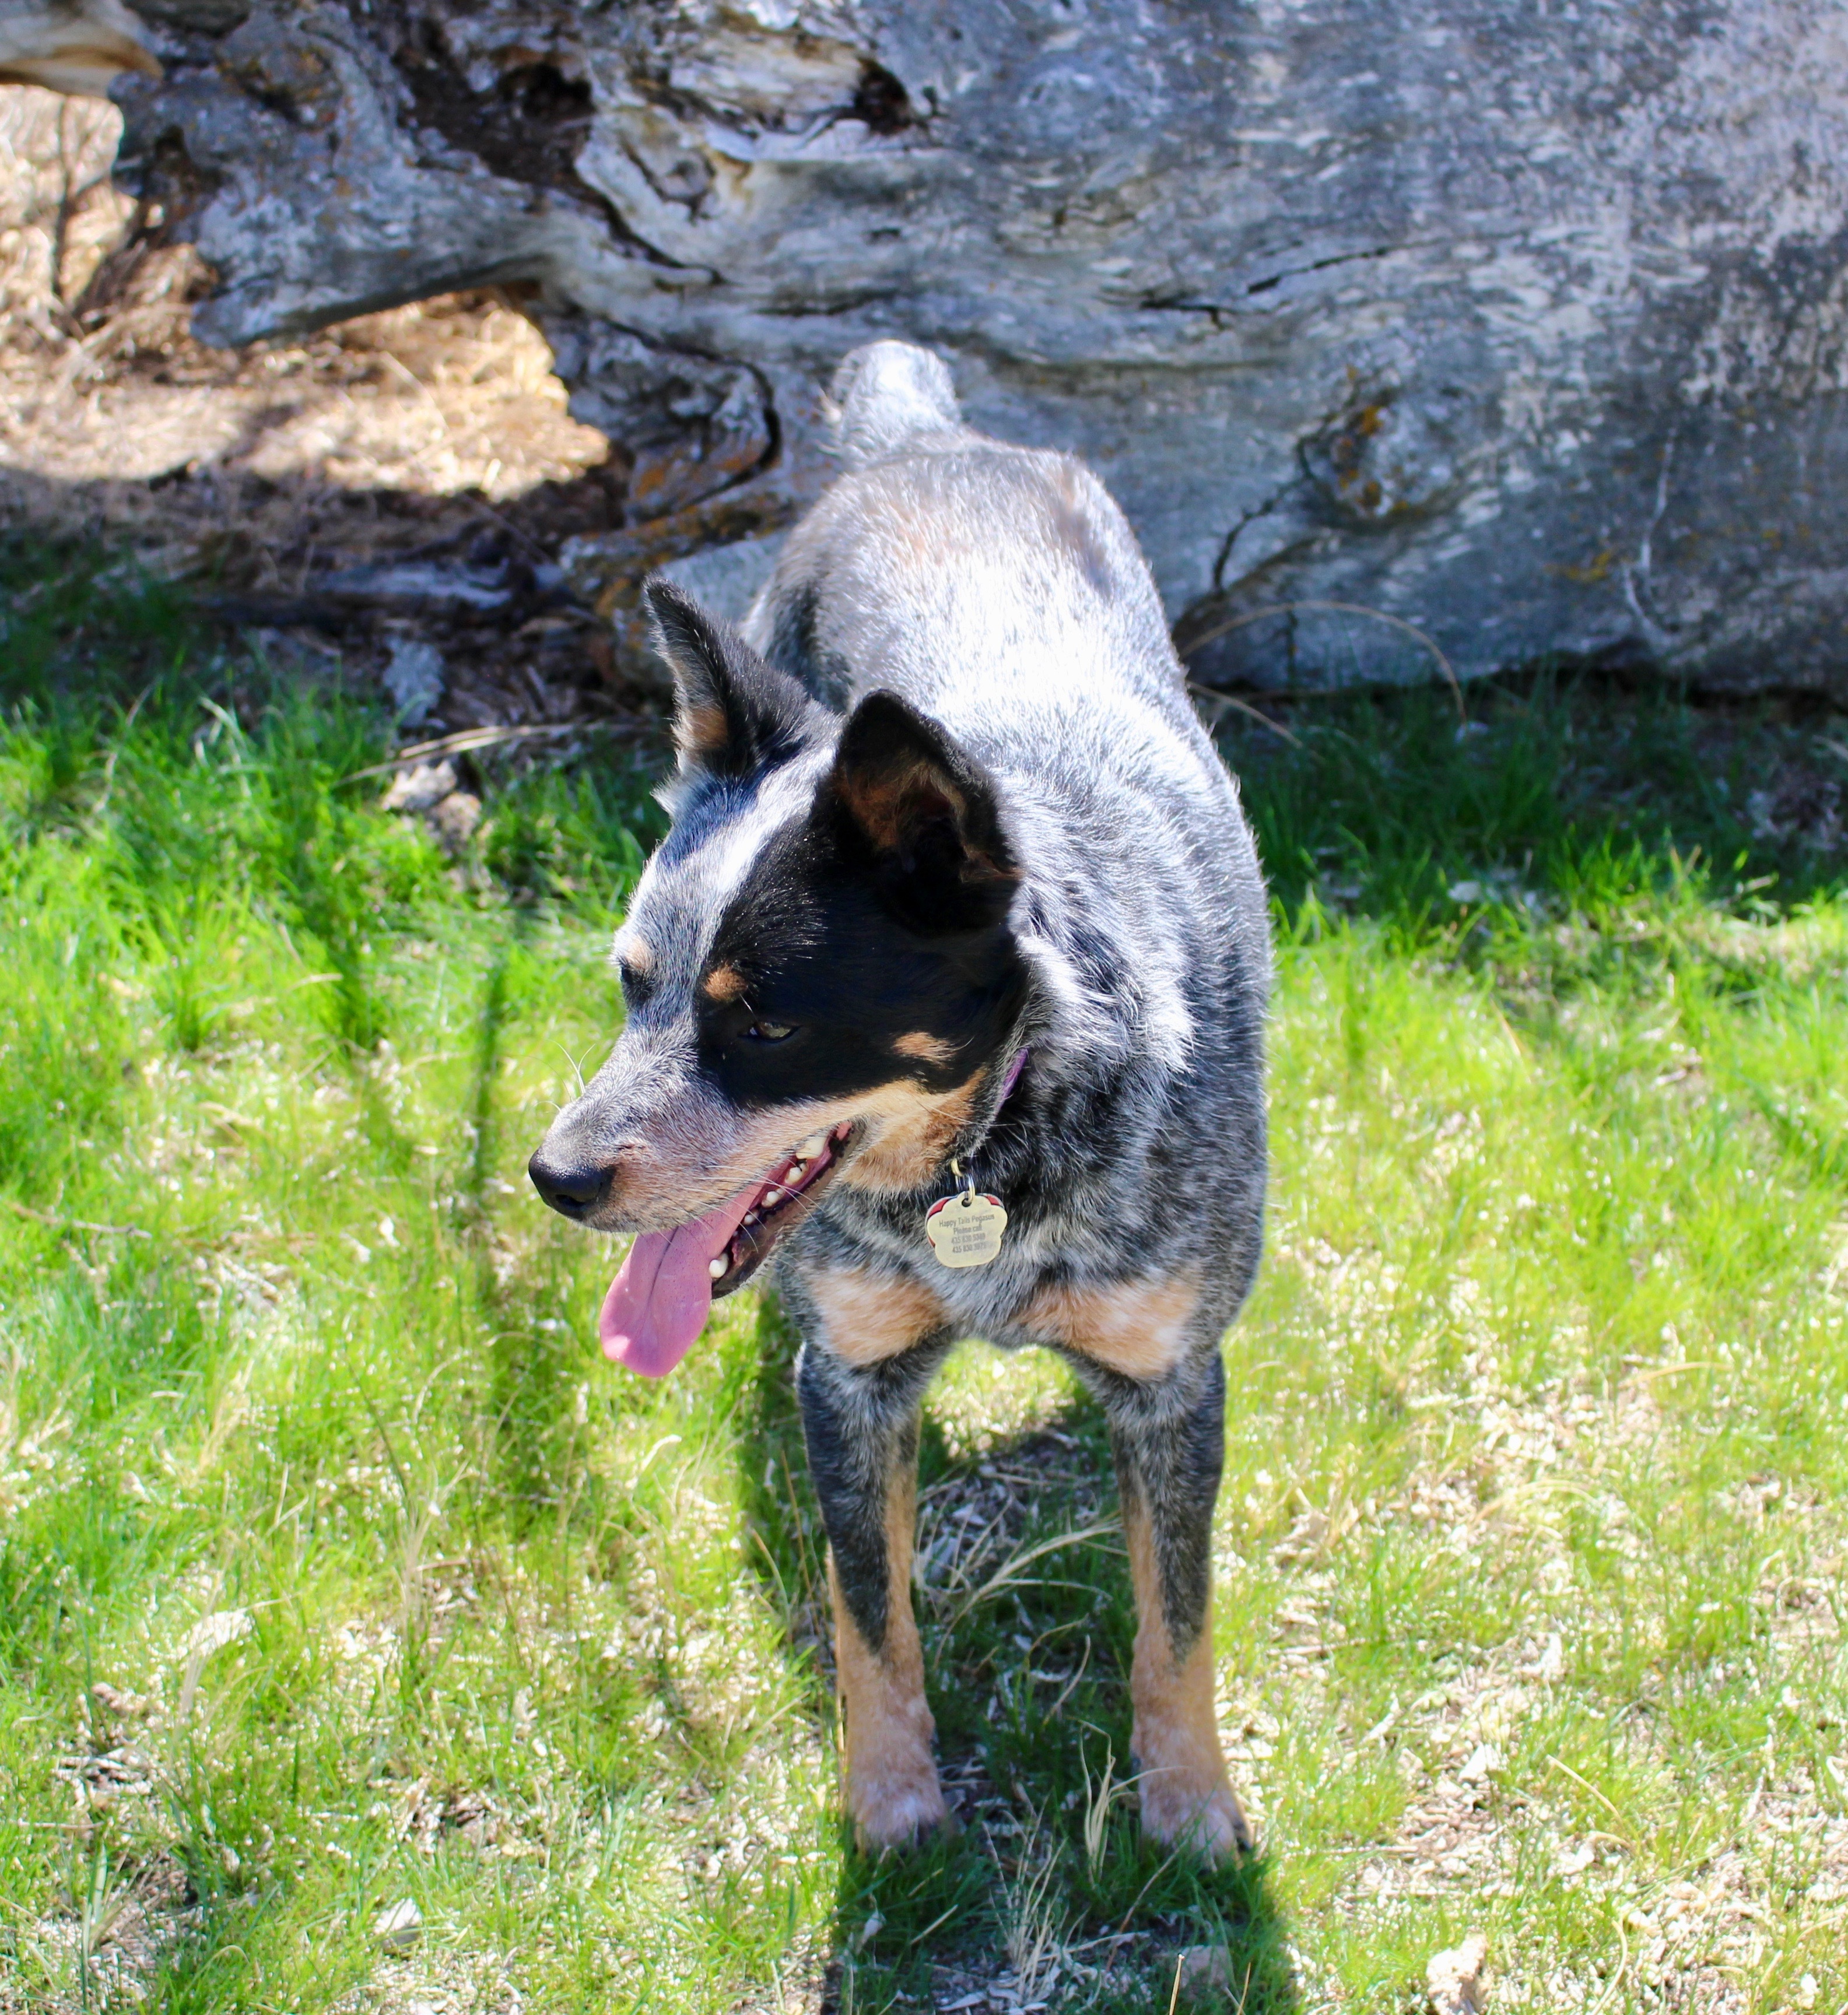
(337, 1572)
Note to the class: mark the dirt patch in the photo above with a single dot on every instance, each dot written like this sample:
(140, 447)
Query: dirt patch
(407, 475)
(1477, 1824)
(124, 1930)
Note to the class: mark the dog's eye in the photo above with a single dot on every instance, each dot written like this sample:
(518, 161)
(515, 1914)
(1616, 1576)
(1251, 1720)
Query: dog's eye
(770, 1032)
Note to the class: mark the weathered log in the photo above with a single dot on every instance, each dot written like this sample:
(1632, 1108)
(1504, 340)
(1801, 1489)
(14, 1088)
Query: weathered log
(1520, 322)
(78, 47)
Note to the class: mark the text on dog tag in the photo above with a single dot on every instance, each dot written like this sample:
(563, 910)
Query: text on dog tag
(965, 1230)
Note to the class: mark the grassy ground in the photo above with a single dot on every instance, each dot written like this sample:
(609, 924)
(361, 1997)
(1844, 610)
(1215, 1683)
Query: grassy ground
(366, 1642)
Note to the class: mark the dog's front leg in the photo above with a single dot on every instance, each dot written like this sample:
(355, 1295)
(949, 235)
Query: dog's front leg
(1170, 1443)
(861, 1424)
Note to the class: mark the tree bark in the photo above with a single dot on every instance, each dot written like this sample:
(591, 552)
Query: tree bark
(1463, 331)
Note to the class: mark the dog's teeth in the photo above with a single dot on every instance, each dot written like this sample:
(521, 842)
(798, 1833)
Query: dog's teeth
(772, 1195)
(753, 1217)
(797, 1171)
(720, 1267)
(812, 1146)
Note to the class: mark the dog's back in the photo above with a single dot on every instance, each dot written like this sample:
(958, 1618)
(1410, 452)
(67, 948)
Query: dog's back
(999, 589)
(957, 569)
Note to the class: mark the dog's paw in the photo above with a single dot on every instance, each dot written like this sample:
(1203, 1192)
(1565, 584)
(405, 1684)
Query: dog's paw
(896, 1804)
(1197, 1812)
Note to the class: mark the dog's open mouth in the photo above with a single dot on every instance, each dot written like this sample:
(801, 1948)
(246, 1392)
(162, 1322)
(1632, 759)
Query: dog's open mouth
(657, 1305)
(783, 1196)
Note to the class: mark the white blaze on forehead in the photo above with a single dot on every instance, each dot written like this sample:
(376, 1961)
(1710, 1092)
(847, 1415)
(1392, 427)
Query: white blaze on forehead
(678, 903)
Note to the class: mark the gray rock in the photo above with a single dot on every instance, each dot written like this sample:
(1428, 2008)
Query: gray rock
(726, 579)
(214, 16)
(413, 678)
(419, 787)
(1451, 330)
(399, 1927)
(452, 820)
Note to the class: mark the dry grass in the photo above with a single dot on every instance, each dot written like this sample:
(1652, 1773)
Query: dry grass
(117, 423)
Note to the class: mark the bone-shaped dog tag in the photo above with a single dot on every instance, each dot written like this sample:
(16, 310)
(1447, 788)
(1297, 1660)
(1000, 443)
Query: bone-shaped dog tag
(965, 1230)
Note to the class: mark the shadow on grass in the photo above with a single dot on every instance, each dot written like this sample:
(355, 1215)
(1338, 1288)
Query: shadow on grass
(1027, 1617)
(534, 1469)
(1563, 794)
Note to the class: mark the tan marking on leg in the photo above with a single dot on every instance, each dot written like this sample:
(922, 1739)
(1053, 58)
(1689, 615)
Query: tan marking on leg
(871, 1316)
(894, 1797)
(1136, 1327)
(1187, 1797)
(724, 983)
(927, 1049)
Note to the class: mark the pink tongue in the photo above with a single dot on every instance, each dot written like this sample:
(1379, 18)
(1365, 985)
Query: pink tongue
(657, 1304)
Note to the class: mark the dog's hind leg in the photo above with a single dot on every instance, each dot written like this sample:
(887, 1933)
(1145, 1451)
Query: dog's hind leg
(1170, 1441)
(861, 1424)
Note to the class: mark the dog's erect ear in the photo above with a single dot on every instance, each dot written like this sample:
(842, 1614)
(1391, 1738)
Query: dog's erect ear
(733, 714)
(924, 816)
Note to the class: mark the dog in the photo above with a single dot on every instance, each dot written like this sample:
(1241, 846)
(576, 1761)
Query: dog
(947, 988)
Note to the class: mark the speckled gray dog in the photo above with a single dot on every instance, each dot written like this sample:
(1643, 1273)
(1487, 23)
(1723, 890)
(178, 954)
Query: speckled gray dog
(954, 875)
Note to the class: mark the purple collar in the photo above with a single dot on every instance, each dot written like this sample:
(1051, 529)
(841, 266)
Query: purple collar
(1007, 1092)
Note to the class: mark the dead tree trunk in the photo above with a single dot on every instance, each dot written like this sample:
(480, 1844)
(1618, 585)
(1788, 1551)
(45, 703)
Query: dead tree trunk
(1520, 326)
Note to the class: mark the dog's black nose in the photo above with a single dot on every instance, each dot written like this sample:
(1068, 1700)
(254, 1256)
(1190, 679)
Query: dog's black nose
(571, 1190)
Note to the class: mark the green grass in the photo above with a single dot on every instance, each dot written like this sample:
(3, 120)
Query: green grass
(337, 1571)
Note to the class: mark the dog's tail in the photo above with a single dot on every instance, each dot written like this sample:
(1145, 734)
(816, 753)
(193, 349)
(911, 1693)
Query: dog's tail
(885, 394)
